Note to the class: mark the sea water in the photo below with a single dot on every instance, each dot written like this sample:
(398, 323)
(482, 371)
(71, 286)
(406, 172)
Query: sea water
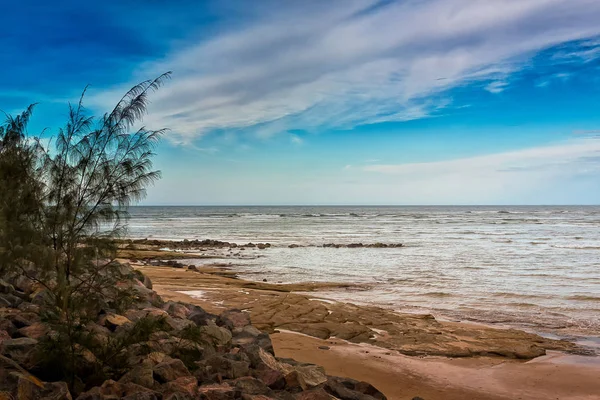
(532, 267)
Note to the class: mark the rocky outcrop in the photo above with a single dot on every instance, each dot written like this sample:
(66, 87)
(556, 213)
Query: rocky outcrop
(152, 350)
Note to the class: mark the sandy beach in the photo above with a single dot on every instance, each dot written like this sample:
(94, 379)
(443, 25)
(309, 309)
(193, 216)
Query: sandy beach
(403, 355)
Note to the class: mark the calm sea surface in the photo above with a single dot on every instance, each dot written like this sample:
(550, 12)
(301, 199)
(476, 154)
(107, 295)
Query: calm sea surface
(529, 267)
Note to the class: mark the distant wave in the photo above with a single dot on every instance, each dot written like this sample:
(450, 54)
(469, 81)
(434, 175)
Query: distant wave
(558, 246)
(583, 297)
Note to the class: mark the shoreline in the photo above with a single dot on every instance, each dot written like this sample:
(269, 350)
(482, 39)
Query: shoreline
(440, 375)
(245, 260)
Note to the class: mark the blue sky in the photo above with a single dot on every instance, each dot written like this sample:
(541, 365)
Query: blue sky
(337, 102)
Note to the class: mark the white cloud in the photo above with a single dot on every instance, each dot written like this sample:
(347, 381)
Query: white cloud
(494, 177)
(496, 86)
(346, 63)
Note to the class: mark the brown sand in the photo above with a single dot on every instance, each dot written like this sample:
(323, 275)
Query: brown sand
(555, 376)
(380, 336)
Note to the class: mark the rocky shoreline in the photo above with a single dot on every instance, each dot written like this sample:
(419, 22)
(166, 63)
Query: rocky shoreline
(185, 353)
(295, 307)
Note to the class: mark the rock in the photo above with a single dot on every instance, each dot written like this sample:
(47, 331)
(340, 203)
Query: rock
(27, 390)
(249, 385)
(176, 310)
(35, 331)
(169, 370)
(350, 389)
(218, 335)
(199, 316)
(24, 284)
(142, 375)
(218, 366)
(4, 336)
(179, 324)
(310, 376)
(273, 378)
(146, 282)
(293, 246)
(113, 390)
(324, 347)
(314, 394)
(217, 392)
(20, 350)
(8, 327)
(6, 287)
(233, 319)
(113, 321)
(42, 297)
(185, 385)
(193, 268)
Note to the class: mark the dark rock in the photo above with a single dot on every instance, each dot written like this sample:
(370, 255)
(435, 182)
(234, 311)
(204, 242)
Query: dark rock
(200, 317)
(170, 370)
(27, 390)
(324, 347)
(36, 331)
(42, 297)
(234, 319)
(218, 367)
(217, 392)
(314, 394)
(176, 310)
(20, 350)
(6, 287)
(113, 321)
(113, 390)
(350, 389)
(250, 385)
(142, 375)
(185, 385)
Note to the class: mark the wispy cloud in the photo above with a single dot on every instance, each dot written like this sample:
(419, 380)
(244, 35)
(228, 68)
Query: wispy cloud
(340, 64)
(496, 175)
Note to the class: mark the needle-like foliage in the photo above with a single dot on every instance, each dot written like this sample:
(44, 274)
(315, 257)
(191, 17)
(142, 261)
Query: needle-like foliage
(61, 207)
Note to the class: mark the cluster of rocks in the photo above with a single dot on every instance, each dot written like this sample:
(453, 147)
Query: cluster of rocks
(192, 244)
(194, 354)
(359, 245)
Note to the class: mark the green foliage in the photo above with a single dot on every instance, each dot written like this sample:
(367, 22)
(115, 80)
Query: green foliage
(92, 356)
(61, 209)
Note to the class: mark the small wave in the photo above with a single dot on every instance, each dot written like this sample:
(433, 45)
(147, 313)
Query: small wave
(583, 297)
(438, 294)
(520, 295)
(503, 212)
(558, 246)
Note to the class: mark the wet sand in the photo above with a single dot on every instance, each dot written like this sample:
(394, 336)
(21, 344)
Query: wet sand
(554, 376)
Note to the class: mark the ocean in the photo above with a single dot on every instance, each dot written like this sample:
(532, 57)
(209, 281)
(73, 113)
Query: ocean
(531, 267)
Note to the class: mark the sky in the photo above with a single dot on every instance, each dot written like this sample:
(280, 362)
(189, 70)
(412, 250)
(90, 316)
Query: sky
(373, 102)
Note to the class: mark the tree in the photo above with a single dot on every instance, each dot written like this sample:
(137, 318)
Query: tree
(63, 206)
